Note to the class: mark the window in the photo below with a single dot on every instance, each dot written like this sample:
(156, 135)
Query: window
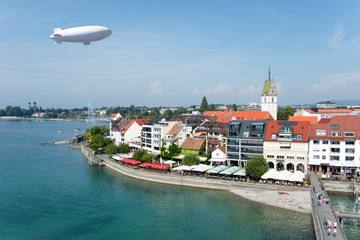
(316, 141)
(316, 157)
(336, 133)
(323, 157)
(325, 142)
(350, 150)
(320, 132)
(286, 129)
(348, 158)
(246, 134)
(324, 150)
(299, 137)
(280, 157)
(335, 126)
(290, 157)
(335, 150)
(335, 158)
(273, 136)
(316, 150)
(349, 134)
(300, 158)
(349, 142)
(335, 142)
(270, 156)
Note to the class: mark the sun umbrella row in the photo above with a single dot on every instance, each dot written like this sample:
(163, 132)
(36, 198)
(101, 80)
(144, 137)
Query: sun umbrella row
(141, 164)
(284, 175)
(222, 169)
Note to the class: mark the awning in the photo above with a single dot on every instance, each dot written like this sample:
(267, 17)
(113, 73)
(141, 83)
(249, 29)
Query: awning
(241, 172)
(117, 158)
(153, 165)
(169, 162)
(201, 168)
(217, 169)
(271, 174)
(183, 168)
(217, 160)
(134, 162)
(297, 177)
(230, 170)
(284, 175)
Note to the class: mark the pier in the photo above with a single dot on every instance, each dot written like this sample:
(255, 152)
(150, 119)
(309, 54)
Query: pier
(75, 139)
(323, 211)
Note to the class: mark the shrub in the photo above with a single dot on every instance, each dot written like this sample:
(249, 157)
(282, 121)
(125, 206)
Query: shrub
(124, 148)
(190, 160)
(138, 154)
(148, 157)
(111, 149)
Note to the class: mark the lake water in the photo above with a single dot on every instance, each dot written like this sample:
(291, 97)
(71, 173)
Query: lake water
(50, 192)
(346, 202)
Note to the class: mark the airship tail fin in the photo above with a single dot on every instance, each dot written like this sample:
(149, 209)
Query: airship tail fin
(57, 42)
(57, 30)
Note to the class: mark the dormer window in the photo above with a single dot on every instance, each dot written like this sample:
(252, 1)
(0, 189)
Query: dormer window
(286, 129)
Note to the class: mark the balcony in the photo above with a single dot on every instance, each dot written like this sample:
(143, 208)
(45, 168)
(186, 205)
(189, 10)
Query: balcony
(246, 150)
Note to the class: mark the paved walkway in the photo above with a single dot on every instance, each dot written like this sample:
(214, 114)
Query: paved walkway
(325, 211)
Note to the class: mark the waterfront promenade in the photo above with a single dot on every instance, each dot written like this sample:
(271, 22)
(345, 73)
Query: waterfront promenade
(324, 212)
(290, 198)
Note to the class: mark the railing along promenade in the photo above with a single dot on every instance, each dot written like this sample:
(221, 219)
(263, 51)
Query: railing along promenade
(323, 212)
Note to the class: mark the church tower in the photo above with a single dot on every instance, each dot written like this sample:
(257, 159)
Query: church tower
(269, 97)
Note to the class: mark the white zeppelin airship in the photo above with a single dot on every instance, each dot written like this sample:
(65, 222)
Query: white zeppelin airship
(84, 34)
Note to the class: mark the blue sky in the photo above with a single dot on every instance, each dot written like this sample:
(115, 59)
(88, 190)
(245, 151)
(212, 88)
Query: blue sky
(173, 53)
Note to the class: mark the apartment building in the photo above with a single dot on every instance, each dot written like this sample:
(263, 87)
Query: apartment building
(286, 145)
(334, 145)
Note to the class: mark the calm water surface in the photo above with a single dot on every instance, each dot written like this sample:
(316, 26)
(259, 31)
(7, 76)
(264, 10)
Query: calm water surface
(50, 192)
(346, 202)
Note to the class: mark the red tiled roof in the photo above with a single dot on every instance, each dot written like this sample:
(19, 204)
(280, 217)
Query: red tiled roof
(311, 119)
(192, 143)
(344, 123)
(302, 127)
(223, 149)
(227, 116)
(324, 120)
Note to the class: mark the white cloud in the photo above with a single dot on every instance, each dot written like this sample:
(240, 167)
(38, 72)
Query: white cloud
(251, 90)
(338, 83)
(155, 89)
(337, 37)
(219, 89)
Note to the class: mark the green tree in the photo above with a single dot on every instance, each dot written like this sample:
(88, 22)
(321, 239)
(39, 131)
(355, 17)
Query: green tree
(124, 148)
(111, 149)
(138, 154)
(148, 157)
(234, 107)
(204, 105)
(284, 113)
(212, 107)
(256, 167)
(173, 150)
(190, 160)
(168, 114)
(98, 141)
